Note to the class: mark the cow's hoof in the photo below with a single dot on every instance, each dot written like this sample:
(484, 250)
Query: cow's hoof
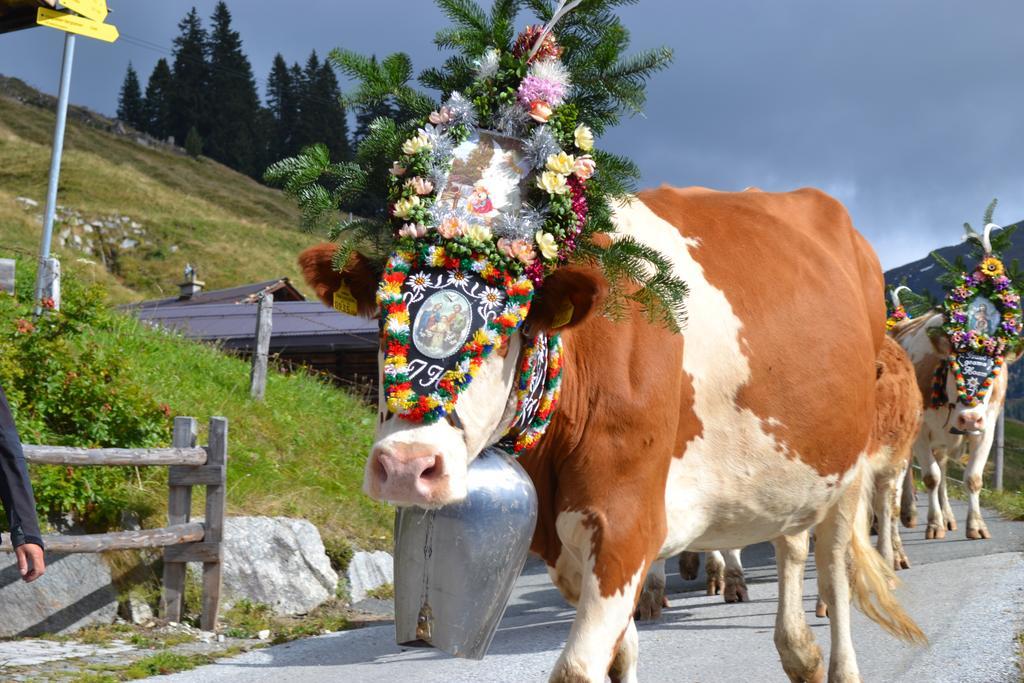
(935, 531)
(909, 521)
(689, 564)
(816, 676)
(735, 587)
(652, 600)
(715, 585)
(950, 524)
(901, 561)
(978, 533)
(821, 609)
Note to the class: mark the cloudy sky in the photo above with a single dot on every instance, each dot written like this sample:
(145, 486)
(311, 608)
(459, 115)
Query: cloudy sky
(910, 112)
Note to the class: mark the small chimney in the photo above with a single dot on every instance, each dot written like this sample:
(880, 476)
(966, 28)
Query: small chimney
(191, 286)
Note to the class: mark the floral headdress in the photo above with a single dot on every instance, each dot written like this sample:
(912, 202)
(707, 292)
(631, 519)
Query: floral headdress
(982, 310)
(501, 180)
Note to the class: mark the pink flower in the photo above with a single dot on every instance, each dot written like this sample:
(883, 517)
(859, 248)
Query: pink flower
(520, 250)
(584, 167)
(414, 230)
(441, 116)
(450, 228)
(420, 186)
(533, 88)
(540, 111)
(397, 169)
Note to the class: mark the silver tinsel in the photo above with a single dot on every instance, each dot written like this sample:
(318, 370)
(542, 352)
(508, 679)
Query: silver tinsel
(520, 225)
(487, 65)
(539, 146)
(511, 120)
(443, 147)
(461, 110)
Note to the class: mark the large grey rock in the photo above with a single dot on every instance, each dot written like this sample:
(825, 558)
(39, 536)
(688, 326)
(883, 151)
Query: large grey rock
(74, 592)
(277, 561)
(368, 571)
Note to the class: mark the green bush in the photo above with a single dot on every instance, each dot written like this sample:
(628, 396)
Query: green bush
(66, 390)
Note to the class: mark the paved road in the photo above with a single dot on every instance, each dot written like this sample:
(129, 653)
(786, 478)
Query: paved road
(968, 596)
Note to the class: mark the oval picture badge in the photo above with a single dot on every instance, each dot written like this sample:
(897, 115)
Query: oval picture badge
(442, 324)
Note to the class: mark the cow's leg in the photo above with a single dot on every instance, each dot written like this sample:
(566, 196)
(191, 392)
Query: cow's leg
(881, 505)
(689, 565)
(735, 586)
(714, 566)
(899, 556)
(978, 450)
(908, 500)
(652, 597)
(801, 656)
(832, 543)
(604, 609)
(623, 668)
(931, 472)
(947, 510)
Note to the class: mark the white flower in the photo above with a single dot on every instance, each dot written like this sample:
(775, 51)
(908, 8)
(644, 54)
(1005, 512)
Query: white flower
(418, 281)
(584, 137)
(456, 277)
(552, 183)
(404, 206)
(491, 297)
(416, 143)
(487, 65)
(551, 70)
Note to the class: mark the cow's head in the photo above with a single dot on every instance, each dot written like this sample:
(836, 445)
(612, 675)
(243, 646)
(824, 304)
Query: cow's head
(413, 463)
(964, 419)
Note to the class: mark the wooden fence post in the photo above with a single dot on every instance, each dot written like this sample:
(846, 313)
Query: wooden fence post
(215, 504)
(1000, 443)
(179, 508)
(264, 326)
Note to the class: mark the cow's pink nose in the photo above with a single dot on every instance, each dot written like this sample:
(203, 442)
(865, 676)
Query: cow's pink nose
(402, 476)
(970, 422)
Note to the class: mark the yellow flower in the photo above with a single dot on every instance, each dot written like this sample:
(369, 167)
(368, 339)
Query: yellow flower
(992, 267)
(561, 163)
(546, 242)
(478, 232)
(404, 206)
(553, 183)
(415, 144)
(584, 137)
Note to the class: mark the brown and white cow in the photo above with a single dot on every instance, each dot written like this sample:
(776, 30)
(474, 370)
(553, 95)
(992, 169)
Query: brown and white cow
(948, 428)
(755, 423)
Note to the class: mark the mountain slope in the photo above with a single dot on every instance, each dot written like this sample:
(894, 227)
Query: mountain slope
(231, 227)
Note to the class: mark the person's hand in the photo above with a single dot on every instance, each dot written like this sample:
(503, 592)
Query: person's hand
(30, 561)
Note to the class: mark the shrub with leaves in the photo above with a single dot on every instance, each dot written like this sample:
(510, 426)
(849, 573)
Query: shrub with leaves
(65, 390)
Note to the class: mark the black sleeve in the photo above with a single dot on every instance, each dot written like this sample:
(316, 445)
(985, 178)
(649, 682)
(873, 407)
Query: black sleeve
(15, 487)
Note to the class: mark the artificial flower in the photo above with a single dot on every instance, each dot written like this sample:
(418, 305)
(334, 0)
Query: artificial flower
(404, 206)
(584, 137)
(584, 167)
(533, 88)
(540, 111)
(420, 186)
(414, 230)
(451, 227)
(488, 64)
(561, 163)
(418, 281)
(415, 144)
(546, 242)
(552, 183)
(991, 266)
(523, 250)
(441, 117)
(397, 169)
(478, 232)
(527, 40)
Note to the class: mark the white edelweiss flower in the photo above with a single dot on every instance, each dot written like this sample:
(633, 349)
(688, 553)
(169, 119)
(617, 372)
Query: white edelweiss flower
(456, 277)
(491, 297)
(418, 281)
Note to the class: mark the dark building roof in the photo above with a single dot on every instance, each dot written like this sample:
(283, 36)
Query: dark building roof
(281, 288)
(297, 325)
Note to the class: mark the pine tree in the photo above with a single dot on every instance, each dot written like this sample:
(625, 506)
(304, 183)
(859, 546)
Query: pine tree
(283, 103)
(158, 120)
(232, 133)
(130, 107)
(189, 96)
(307, 129)
(335, 120)
(193, 143)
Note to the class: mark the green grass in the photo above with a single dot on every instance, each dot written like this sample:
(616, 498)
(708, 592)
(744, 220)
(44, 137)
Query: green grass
(234, 229)
(298, 453)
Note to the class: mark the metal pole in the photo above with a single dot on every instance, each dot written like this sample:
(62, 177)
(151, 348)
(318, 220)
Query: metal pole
(1000, 439)
(58, 149)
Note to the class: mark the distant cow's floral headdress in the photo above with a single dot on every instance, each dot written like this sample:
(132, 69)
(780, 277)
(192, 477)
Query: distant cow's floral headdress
(982, 310)
(469, 204)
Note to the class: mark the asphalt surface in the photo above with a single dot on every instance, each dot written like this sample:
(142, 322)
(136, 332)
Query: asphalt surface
(967, 596)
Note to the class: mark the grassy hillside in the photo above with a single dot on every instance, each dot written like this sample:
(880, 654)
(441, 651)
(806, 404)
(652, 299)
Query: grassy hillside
(299, 453)
(231, 227)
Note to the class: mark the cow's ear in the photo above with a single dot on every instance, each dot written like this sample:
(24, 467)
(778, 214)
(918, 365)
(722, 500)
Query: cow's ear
(568, 296)
(355, 284)
(940, 341)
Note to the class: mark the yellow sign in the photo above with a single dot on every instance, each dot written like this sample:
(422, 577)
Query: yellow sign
(345, 302)
(76, 24)
(92, 9)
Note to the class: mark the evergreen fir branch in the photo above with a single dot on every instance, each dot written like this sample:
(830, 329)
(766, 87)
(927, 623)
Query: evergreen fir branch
(989, 211)
(466, 14)
(944, 263)
(659, 292)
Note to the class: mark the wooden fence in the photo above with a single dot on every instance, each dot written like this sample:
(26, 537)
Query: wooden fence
(182, 540)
